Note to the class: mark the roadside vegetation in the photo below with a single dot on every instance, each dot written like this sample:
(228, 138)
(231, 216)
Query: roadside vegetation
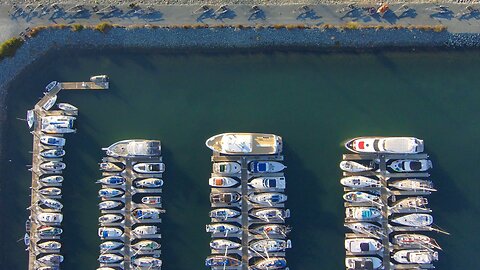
(10, 47)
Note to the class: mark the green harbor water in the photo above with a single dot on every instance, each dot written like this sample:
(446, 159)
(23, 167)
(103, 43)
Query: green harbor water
(313, 100)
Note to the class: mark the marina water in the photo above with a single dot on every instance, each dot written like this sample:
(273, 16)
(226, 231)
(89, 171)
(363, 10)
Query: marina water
(315, 101)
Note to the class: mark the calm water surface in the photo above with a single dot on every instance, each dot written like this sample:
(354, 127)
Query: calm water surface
(314, 100)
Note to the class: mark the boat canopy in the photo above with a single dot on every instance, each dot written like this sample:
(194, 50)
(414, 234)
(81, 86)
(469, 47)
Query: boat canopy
(134, 148)
(401, 145)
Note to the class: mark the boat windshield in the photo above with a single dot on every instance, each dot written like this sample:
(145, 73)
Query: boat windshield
(262, 167)
(271, 183)
(415, 165)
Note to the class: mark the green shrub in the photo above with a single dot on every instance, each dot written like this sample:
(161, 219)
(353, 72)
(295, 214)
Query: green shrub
(103, 27)
(9, 47)
(77, 27)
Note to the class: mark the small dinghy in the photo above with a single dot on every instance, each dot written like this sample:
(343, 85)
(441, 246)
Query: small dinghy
(149, 183)
(152, 200)
(361, 197)
(53, 166)
(149, 262)
(109, 192)
(372, 263)
(271, 230)
(53, 179)
(50, 86)
(109, 218)
(222, 182)
(50, 217)
(106, 205)
(111, 167)
(352, 166)
(51, 259)
(414, 220)
(52, 141)
(147, 213)
(67, 107)
(414, 203)
(413, 184)
(50, 245)
(146, 245)
(113, 180)
(53, 153)
(109, 232)
(268, 183)
(226, 167)
(365, 228)
(268, 198)
(223, 261)
(270, 245)
(224, 213)
(49, 104)
(99, 78)
(266, 167)
(30, 118)
(224, 244)
(145, 230)
(149, 167)
(363, 213)
(109, 258)
(362, 245)
(415, 240)
(50, 203)
(45, 231)
(271, 263)
(359, 182)
(415, 256)
(270, 214)
(50, 191)
(222, 228)
(110, 245)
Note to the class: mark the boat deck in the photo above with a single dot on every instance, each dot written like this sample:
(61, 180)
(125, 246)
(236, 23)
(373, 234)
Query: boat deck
(385, 193)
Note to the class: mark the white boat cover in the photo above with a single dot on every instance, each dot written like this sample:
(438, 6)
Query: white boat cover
(400, 145)
(240, 143)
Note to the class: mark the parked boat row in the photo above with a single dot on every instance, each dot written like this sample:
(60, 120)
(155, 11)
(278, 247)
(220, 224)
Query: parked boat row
(247, 201)
(131, 206)
(385, 205)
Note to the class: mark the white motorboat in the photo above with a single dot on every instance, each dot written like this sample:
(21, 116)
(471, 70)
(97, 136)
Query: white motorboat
(149, 183)
(49, 104)
(50, 203)
(50, 86)
(363, 213)
(224, 244)
(109, 258)
(407, 165)
(266, 166)
(110, 245)
(67, 107)
(353, 166)
(222, 182)
(413, 184)
(148, 262)
(359, 182)
(50, 191)
(270, 214)
(270, 245)
(224, 213)
(109, 218)
(146, 245)
(226, 167)
(365, 228)
(267, 198)
(222, 228)
(245, 144)
(113, 180)
(111, 167)
(271, 263)
(50, 217)
(145, 230)
(57, 124)
(110, 192)
(53, 179)
(415, 256)
(215, 261)
(51, 259)
(53, 166)
(271, 230)
(109, 232)
(361, 197)
(225, 197)
(105, 205)
(353, 263)
(30, 118)
(149, 167)
(45, 231)
(52, 129)
(26, 240)
(136, 148)
(414, 203)
(362, 245)
(100, 268)
(414, 220)
(53, 153)
(53, 141)
(50, 245)
(268, 182)
(151, 200)
(99, 78)
(147, 213)
(415, 240)
(391, 145)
